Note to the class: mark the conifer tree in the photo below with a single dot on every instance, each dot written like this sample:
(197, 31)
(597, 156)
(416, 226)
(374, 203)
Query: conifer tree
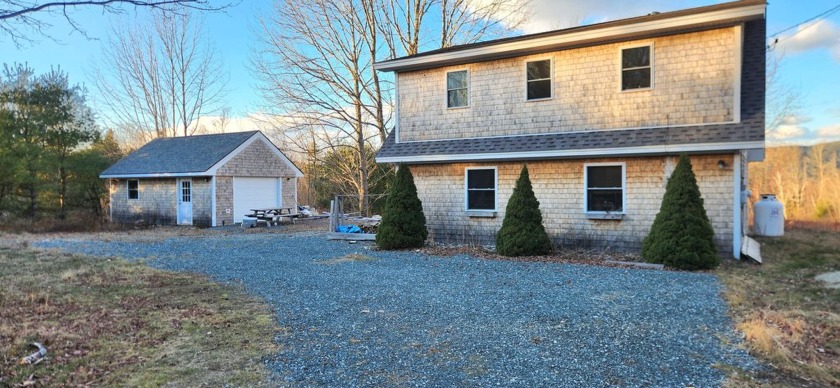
(403, 222)
(681, 236)
(522, 232)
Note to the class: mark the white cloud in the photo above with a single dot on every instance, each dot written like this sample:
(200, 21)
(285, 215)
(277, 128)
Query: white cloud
(830, 131)
(823, 34)
(791, 129)
(555, 14)
(787, 132)
(251, 122)
(795, 120)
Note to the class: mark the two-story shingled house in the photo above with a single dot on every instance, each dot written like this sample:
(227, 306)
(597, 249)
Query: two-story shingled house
(600, 114)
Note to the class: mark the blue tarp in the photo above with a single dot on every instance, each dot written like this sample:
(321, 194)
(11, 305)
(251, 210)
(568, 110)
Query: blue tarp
(348, 229)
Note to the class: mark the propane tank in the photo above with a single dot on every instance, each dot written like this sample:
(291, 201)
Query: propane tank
(769, 217)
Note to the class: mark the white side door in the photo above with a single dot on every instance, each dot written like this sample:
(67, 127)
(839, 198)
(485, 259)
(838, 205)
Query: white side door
(185, 207)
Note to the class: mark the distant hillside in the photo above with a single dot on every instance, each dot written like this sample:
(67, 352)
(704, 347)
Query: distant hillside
(804, 178)
(830, 147)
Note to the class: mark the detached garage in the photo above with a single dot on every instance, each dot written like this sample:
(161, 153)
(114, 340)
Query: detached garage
(207, 180)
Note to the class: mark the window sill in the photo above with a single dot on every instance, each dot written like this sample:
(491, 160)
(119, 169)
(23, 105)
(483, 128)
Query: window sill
(636, 90)
(481, 213)
(605, 216)
(457, 107)
(539, 99)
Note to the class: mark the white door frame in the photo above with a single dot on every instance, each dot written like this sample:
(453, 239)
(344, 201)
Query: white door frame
(179, 198)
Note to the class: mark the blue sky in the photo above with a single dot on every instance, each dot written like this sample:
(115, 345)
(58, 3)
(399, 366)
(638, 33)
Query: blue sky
(811, 64)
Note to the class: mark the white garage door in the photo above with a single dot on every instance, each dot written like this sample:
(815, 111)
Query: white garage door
(254, 193)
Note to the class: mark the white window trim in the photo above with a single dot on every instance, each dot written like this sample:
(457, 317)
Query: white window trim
(446, 89)
(623, 186)
(495, 188)
(128, 190)
(550, 78)
(621, 69)
(739, 59)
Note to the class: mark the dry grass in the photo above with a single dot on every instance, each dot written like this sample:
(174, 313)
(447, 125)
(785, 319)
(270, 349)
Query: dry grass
(788, 318)
(110, 322)
(9, 232)
(75, 222)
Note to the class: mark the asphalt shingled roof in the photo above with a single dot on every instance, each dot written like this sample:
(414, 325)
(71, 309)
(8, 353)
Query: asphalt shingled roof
(174, 155)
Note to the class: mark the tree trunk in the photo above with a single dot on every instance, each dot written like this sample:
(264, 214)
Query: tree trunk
(62, 191)
(32, 190)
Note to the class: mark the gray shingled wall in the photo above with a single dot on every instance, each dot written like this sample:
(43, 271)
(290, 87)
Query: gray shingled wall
(694, 78)
(257, 160)
(750, 129)
(559, 187)
(157, 202)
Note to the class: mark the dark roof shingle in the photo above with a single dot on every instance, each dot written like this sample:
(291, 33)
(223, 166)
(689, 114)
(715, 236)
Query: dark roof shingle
(178, 155)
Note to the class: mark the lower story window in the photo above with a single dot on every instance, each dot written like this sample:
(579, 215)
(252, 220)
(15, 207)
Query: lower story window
(481, 189)
(604, 188)
(133, 189)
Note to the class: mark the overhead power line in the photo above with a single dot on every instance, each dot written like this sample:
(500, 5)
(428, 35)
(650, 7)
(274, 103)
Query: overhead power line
(824, 14)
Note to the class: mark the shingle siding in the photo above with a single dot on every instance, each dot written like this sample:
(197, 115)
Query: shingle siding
(224, 200)
(559, 187)
(694, 78)
(158, 196)
(256, 160)
(158, 202)
(289, 193)
(750, 129)
(202, 201)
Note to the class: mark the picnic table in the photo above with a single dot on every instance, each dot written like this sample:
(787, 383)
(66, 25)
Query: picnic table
(272, 215)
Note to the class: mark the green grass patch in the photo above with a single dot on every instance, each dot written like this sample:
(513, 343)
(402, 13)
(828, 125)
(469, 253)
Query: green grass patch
(790, 319)
(111, 322)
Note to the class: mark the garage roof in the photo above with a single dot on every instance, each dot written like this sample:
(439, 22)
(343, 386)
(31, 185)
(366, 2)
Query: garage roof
(183, 156)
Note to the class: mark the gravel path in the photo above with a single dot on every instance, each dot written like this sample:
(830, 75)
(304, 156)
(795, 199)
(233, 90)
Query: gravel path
(403, 318)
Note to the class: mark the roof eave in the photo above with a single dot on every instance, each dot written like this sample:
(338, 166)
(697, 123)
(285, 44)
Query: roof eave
(156, 175)
(665, 149)
(585, 37)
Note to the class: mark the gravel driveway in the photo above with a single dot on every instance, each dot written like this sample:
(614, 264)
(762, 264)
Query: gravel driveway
(404, 318)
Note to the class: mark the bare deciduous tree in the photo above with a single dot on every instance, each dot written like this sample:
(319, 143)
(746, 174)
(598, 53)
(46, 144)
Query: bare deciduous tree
(221, 123)
(783, 174)
(803, 178)
(406, 27)
(782, 100)
(159, 82)
(18, 18)
(316, 63)
(467, 21)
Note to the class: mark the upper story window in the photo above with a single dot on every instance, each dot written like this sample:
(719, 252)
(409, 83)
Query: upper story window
(481, 189)
(133, 189)
(538, 81)
(457, 89)
(637, 68)
(604, 188)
